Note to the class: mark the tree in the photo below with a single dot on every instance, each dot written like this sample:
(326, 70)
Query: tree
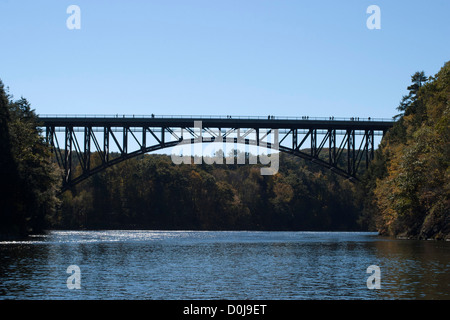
(29, 178)
(412, 188)
(11, 213)
(409, 102)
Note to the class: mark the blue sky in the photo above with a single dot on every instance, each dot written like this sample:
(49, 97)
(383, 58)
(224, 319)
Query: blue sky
(220, 57)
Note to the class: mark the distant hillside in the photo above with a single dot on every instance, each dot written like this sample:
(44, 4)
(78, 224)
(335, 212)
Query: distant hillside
(150, 192)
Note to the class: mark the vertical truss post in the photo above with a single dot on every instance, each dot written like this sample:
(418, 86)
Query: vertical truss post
(106, 145)
(294, 139)
(332, 146)
(68, 155)
(55, 149)
(144, 138)
(125, 141)
(49, 138)
(369, 146)
(350, 151)
(47, 135)
(372, 145)
(313, 142)
(366, 147)
(87, 148)
(257, 137)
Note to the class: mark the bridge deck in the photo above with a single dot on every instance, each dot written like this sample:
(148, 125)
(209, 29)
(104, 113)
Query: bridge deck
(216, 122)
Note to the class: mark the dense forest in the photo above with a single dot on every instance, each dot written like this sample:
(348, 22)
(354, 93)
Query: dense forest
(404, 193)
(151, 192)
(407, 188)
(29, 178)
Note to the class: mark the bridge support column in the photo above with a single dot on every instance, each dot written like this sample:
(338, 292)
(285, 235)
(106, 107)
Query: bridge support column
(106, 145)
(332, 146)
(144, 138)
(125, 141)
(294, 139)
(351, 151)
(313, 142)
(68, 155)
(87, 149)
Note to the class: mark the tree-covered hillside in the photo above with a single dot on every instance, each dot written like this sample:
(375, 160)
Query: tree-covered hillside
(408, 186)
(151, 192)
(29, 178)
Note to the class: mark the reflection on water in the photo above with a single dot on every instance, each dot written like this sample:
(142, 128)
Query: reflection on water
(222, 265)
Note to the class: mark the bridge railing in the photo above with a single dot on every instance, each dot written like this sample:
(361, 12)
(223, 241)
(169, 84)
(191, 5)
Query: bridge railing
(269, 117)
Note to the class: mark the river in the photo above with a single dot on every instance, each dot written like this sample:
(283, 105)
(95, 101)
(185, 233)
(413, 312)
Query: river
(175, 265)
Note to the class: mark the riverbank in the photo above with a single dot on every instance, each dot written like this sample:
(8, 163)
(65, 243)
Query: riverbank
(441, 235)
(17, 237)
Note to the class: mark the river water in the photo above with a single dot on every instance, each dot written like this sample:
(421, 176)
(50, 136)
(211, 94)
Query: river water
(175, 265)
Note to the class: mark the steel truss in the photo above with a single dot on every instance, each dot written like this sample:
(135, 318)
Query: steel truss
(338, 145)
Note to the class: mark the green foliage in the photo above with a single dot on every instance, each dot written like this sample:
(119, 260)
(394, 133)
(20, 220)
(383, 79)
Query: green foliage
(409, 182)
(150, 192)
(29, 178)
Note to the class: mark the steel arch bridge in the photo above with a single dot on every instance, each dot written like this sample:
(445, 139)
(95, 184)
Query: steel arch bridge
(335, 143)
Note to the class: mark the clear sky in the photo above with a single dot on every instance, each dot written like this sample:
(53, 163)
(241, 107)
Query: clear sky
(220, 57)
